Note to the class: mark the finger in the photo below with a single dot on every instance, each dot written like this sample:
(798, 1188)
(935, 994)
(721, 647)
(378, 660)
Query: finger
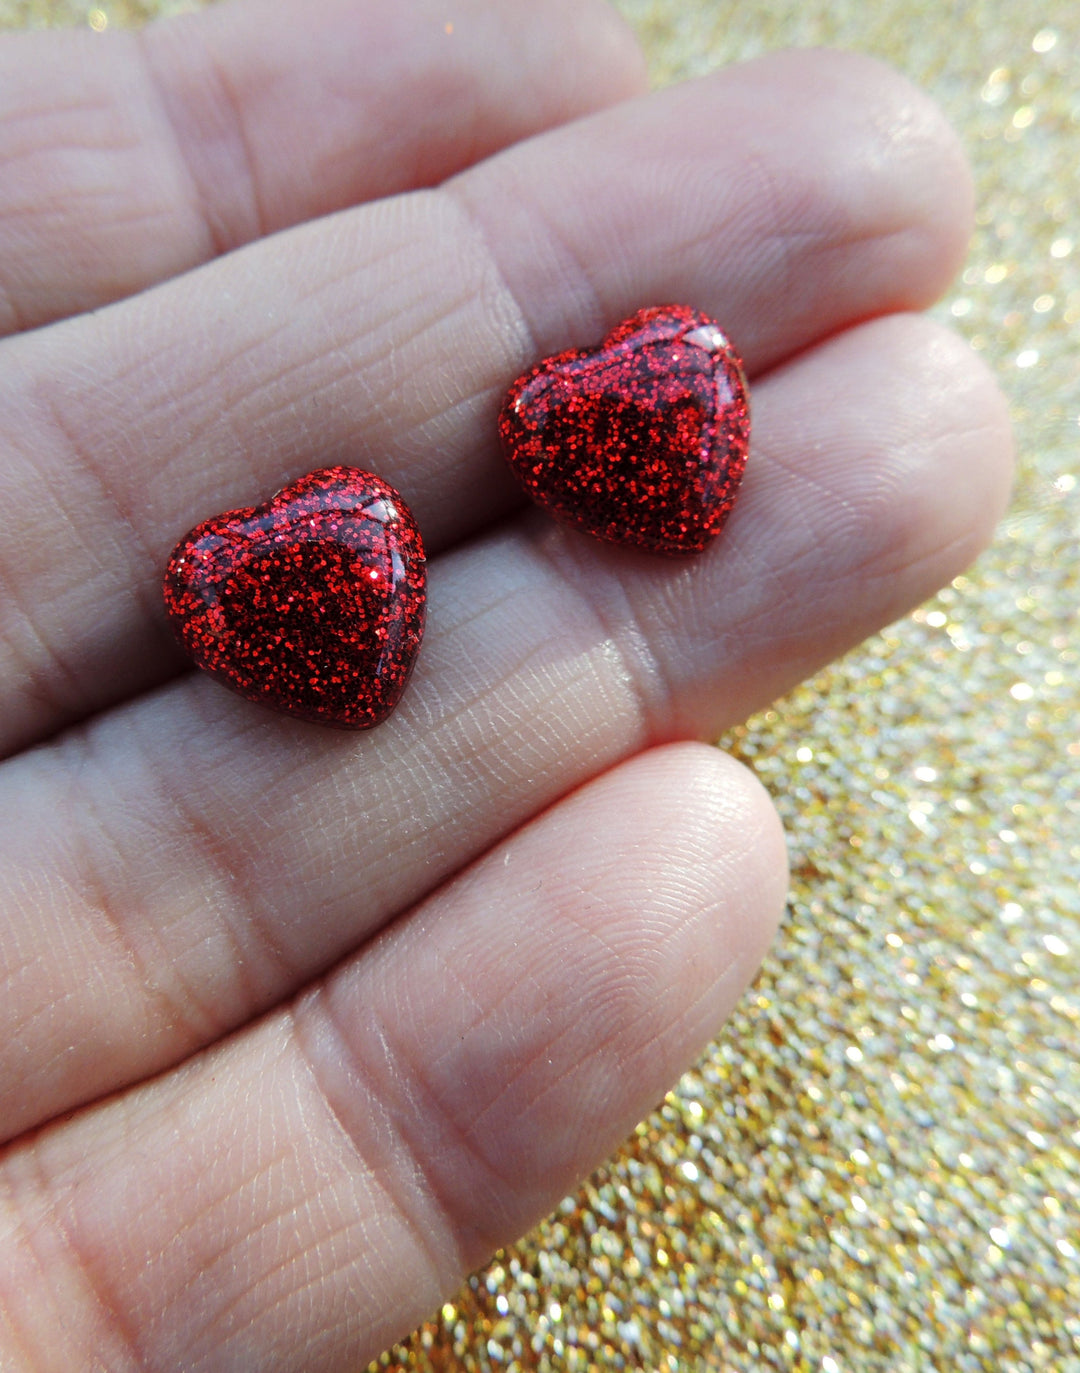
(205, 859)
(386, 338)
(150, 152)
(305, 1194)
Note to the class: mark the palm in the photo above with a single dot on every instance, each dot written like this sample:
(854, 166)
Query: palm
(295, 1136)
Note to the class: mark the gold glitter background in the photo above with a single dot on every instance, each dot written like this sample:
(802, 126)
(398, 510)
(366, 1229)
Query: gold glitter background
(878, 1166)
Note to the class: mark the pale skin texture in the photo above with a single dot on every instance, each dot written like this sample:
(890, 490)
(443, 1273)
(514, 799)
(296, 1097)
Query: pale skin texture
(296, 1026)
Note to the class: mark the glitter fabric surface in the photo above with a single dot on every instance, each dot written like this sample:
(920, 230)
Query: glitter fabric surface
(640, 441)
(877, 1168)
(312, 604)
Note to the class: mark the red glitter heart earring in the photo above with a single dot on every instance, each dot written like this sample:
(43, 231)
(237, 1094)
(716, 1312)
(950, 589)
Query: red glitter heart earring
(640, 441)
(312, 604)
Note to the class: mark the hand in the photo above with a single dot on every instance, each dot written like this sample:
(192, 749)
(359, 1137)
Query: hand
(298, 1026)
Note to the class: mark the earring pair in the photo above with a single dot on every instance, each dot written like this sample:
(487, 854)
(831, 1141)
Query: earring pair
(314, 602)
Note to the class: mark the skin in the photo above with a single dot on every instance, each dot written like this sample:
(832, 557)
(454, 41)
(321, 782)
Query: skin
(296, 1027)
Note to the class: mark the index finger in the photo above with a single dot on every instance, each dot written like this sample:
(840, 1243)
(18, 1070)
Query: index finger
(126, 158)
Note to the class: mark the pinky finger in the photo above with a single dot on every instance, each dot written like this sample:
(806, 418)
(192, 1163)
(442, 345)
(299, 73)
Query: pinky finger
(302, 1195)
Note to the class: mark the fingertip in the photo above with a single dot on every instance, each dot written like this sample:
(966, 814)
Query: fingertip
(792, 196)
(904, 177)
(883, 464)
(741, 846)
(933, 200)
(612, 40)
(691, 856)
(964, 483)
(585, 47)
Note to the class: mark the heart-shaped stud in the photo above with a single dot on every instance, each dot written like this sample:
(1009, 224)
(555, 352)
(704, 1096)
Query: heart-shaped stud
(641, 440)
(312, 604)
